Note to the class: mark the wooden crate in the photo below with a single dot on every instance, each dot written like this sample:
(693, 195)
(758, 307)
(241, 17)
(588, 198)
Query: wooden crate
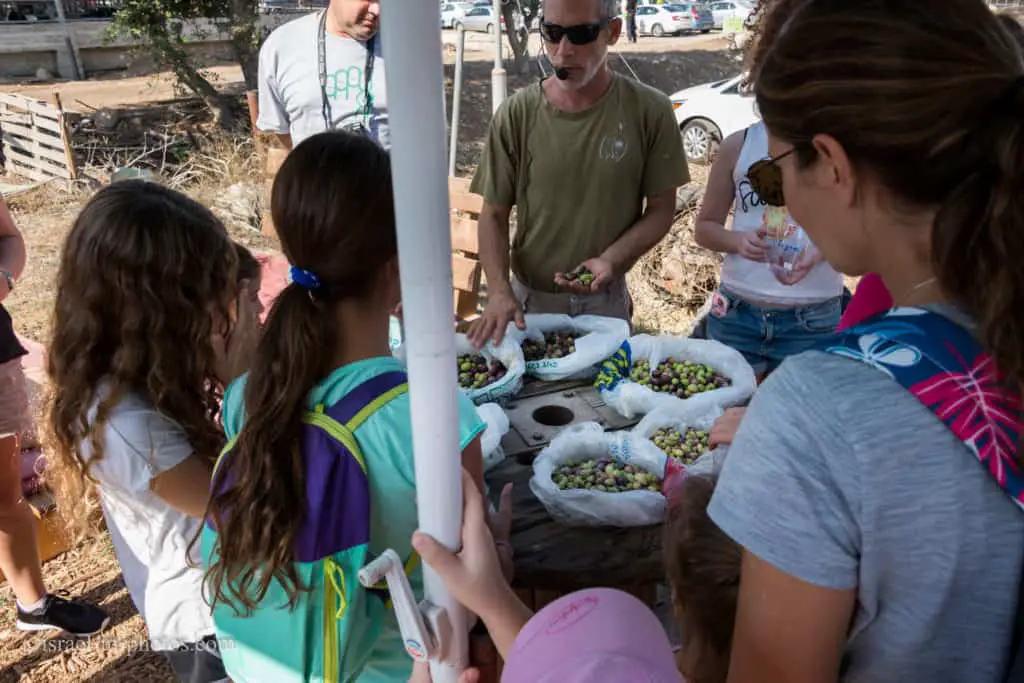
(51, 537)
(467, 275)
(273, 158)
(36, 141)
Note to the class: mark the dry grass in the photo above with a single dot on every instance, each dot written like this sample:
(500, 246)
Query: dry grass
(670, 284)
(45, 216)
(120, 654)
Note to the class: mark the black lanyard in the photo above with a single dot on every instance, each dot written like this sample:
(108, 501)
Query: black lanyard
(366, 97)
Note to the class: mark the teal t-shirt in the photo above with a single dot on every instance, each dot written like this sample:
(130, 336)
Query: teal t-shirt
(386, 441)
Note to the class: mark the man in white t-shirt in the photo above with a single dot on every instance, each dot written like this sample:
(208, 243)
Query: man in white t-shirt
(323, 72)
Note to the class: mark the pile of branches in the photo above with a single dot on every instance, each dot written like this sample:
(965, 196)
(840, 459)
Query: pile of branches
(679, 272)
(163, 139)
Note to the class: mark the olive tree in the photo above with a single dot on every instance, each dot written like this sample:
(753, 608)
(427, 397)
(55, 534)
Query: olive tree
(159, 26)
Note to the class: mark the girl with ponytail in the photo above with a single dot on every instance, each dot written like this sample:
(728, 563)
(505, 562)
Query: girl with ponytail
(875, 483)
(318, 427)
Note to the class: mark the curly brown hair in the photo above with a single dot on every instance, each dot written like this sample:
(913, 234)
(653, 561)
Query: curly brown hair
(702, 565)
(334, 214)
(764, 24)
(144, 274)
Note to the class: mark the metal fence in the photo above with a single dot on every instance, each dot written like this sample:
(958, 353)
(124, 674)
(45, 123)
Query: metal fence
(46, 10)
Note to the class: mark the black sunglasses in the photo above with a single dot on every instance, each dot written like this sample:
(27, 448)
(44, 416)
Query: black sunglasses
(581, 34)
(765, 178)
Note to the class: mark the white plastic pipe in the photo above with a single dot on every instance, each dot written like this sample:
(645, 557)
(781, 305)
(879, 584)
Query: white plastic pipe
(460, 60)
(498, 76)
(415, 92)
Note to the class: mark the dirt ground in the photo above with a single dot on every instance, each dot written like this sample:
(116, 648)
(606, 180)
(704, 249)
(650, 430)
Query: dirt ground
(45, 215)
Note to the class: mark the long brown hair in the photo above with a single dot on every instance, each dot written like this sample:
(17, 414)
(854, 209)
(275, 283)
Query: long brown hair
(928, 98)
(144, 273)
(702, 565)
(334, 214)
(248, 267)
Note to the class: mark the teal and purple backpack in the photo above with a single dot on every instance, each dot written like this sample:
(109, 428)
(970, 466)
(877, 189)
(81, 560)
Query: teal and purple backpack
(330, 633)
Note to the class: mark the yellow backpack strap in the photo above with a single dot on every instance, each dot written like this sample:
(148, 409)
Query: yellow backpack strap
(376, 404)
(357, 421)
(316, 418)
(223, 452)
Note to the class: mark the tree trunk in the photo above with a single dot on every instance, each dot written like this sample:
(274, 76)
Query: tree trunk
(518, 41)
(246, 38)
(170, 47)
(219, 105)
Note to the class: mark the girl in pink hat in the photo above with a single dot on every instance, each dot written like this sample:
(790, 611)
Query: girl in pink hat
(601, 635)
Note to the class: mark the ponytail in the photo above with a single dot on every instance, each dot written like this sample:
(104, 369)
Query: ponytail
(978, 239)
(334, 214)
(262, 484)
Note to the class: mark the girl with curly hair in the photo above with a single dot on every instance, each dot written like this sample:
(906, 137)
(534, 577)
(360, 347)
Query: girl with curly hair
(144, 339)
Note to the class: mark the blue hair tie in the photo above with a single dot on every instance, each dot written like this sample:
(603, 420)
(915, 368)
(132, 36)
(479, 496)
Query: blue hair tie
(306, 279)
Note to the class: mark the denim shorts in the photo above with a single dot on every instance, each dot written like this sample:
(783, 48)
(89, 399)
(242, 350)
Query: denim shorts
(766, 335)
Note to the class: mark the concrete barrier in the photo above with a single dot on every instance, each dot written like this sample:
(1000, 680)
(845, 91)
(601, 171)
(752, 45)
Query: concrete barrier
(25, 48)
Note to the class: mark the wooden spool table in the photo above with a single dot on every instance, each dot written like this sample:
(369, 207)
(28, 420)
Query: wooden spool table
(553, 559)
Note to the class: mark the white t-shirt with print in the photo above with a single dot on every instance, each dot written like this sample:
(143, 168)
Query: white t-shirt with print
(290, 97)
(751, 279)
(150, 537)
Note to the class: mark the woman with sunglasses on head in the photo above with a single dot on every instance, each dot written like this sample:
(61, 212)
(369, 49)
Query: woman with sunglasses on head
(764, 315)
(880, 510)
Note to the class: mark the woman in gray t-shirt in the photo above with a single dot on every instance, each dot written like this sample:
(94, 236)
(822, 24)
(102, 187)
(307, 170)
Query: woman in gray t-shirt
(876, 546)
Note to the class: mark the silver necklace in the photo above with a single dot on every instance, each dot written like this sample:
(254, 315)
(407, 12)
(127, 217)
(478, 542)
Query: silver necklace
(920, 285)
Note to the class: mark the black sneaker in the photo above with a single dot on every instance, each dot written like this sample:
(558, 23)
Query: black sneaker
(72, 616)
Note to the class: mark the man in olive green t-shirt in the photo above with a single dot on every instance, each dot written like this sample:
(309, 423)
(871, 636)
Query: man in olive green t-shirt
(578, 155)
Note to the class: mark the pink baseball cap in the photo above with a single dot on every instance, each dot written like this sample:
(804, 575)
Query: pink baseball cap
(599, 635)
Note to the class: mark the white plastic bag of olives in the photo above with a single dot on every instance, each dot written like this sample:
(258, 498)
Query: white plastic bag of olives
(558, 347)
(587, 477)
(497, 427)
(682, 435)
(670, 372)
(494, 374)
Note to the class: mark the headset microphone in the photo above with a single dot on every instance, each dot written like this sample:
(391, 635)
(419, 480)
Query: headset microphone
(561, 73)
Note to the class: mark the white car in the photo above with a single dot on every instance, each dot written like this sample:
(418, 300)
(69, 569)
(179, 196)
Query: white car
(452, 12)
(672, 19)
(481, 18)
(737, 10)
(709, 113)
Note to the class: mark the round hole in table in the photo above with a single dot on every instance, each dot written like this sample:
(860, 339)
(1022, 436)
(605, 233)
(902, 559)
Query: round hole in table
(526, 459)
(553, 416)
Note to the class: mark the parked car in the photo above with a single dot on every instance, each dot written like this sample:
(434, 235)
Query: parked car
(452, 12)
(481, 18)
(730, 9)
(709, 113)
(673, 19)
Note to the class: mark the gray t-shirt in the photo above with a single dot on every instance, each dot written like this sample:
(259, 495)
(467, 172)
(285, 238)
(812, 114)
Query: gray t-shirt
(840, 477)
(290, 97)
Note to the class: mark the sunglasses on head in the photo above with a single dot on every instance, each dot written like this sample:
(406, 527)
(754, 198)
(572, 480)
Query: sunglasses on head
(581, 34)
(765, 178)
